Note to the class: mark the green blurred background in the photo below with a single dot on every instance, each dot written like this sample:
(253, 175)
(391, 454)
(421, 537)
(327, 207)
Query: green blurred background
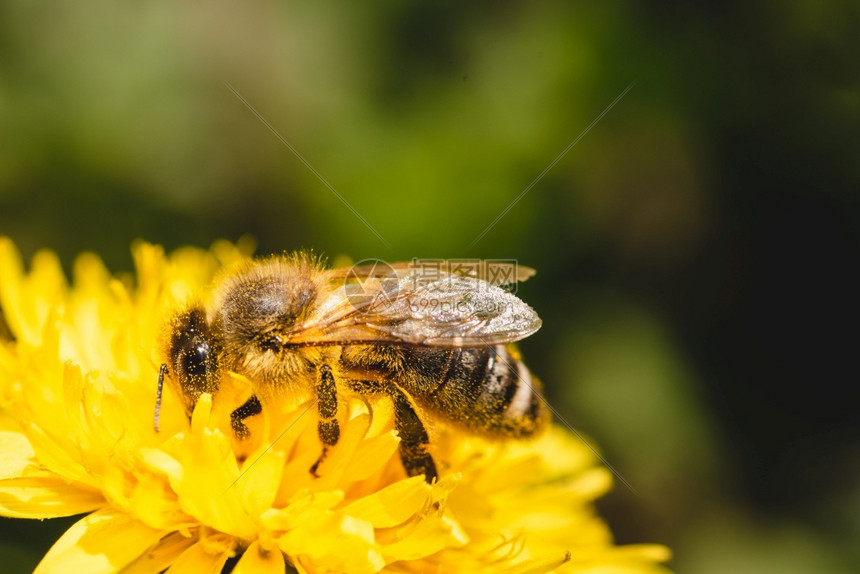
(694, 248)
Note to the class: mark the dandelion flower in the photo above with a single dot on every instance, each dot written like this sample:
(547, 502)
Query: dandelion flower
(78, 367)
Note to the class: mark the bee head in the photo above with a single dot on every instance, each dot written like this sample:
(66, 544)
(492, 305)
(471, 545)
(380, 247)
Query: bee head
(192, 353)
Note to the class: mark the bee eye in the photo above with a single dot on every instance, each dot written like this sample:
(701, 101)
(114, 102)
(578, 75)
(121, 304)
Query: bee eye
(194, 354)
(196, 359)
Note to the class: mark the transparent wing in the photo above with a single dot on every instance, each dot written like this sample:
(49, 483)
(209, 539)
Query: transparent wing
(446, 311)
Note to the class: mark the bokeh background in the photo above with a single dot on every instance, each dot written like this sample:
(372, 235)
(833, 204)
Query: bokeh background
(695, 248)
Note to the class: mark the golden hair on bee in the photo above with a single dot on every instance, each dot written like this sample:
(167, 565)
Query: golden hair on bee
(256, 304)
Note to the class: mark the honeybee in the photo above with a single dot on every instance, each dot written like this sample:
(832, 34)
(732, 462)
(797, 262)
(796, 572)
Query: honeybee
(439, 344)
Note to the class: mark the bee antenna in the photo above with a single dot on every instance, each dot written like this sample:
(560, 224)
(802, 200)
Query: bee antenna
(157, 415)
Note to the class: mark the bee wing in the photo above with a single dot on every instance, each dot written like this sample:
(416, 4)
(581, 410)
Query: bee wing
(446, 311)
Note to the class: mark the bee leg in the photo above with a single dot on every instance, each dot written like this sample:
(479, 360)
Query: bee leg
(413, 437)
(328, 427)
(251, 407)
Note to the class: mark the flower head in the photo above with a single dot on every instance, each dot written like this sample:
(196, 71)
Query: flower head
(78, 369)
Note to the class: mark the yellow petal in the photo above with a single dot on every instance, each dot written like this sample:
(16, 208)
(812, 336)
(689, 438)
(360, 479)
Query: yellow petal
(393, 504)
(540, 565)
(372, 454)
(209, 473)
(16, 454)
(105, 541)
(161, 555)
(229, 253)
(258, 484)
(257, 560)
(655, 552)
(332, 471)
(301, 508)
(333, 542)
(27, 300)
(425, 537)
(144, 494)
(149, 262)
(159, 461)
(196, 560)
(46, 497)
(58, 456)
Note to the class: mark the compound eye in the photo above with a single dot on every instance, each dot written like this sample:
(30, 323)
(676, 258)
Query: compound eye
(193, 357)
(197, 360)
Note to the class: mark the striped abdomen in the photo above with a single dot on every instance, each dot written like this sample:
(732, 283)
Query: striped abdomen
(488, 390)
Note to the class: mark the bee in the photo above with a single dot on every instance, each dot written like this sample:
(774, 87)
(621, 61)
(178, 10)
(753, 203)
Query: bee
(438, 344)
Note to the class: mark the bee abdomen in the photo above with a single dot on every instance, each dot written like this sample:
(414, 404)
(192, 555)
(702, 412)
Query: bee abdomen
(487, 390)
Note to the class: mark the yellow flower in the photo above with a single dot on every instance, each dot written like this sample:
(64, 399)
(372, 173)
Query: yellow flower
(78, 371)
